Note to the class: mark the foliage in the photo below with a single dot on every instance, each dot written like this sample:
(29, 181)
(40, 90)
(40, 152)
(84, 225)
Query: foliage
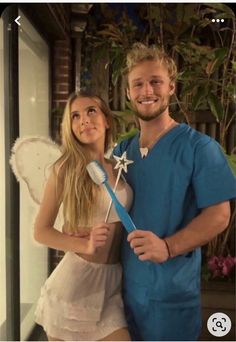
(127, 126)
(232, 162)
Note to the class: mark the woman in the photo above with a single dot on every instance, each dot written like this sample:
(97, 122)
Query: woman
(81, 300)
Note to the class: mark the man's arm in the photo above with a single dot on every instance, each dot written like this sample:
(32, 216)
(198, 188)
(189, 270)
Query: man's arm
(203, 228)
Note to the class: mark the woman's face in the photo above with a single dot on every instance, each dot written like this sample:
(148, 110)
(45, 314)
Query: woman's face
(88, 122)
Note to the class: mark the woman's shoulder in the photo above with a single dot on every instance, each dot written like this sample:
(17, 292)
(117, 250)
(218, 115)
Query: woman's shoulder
(111, 161)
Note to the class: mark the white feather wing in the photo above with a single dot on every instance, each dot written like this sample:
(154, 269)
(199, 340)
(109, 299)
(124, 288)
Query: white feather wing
(31, 159)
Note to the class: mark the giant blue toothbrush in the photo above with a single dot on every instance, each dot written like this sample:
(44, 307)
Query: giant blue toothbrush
(99, 176)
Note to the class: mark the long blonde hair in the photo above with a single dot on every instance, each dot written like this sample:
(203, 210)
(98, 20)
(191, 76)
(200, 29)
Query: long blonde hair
(79, 193)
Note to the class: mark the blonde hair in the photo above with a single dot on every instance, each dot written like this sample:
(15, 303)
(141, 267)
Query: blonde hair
(140, 53)
(79, 193)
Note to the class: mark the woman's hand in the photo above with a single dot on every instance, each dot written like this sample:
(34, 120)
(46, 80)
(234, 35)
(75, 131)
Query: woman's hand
(98, 237)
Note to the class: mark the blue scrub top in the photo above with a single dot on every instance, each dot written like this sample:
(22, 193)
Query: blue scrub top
(184, 172)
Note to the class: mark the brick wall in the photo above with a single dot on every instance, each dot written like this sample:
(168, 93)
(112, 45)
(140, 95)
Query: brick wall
(62, 86)
(62, 82)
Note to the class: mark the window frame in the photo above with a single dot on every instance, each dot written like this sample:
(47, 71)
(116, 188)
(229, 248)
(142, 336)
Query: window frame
(12, 189)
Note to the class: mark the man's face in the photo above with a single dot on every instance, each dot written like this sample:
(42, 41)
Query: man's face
(149, 89)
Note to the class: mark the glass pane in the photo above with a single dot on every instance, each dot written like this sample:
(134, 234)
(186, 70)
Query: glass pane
(2, 198)
(34, 120)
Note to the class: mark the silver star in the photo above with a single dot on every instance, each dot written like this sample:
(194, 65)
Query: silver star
(122, 162)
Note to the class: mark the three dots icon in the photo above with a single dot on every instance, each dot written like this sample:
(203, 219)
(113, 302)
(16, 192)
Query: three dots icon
(217, 20)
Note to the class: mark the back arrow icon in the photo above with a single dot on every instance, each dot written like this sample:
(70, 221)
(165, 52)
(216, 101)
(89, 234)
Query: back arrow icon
(17, 20)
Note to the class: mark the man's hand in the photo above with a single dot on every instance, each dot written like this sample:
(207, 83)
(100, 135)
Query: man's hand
(148, 246)
(98, 237)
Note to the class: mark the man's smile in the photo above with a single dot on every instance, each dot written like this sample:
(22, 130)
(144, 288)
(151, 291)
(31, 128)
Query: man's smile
(147, 102)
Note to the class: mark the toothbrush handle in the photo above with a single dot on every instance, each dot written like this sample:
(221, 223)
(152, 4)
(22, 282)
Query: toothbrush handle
(122, 213)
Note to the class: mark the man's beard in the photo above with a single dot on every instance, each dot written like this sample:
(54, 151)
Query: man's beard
(154, 115)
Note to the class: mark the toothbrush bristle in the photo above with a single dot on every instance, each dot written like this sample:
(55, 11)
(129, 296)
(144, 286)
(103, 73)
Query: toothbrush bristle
(96, 172)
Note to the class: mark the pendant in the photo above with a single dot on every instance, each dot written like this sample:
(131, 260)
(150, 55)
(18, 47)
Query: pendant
(143, 151)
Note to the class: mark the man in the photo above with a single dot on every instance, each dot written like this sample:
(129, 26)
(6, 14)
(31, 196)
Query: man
(182, 186)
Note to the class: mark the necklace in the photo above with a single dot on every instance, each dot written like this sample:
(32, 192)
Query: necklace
(144, 150)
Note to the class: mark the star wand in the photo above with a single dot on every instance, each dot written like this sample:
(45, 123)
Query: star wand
(122, 163)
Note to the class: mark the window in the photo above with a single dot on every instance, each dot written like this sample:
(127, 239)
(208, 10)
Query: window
(2, 198)
(33, 120)
(24, 89)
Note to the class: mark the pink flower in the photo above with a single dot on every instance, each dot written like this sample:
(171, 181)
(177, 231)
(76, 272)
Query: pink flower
(221, 266)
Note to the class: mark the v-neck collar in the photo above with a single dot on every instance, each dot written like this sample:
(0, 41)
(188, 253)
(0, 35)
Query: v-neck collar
(167, 135)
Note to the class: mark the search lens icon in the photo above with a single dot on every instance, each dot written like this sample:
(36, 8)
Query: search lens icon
(219, 324)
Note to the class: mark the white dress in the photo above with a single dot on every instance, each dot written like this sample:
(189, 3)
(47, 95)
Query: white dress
(81, 300)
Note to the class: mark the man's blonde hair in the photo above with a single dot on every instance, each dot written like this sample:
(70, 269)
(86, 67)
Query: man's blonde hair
(140, 53)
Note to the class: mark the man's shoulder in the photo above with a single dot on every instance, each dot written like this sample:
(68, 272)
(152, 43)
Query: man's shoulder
(195, 139)
(123, 145)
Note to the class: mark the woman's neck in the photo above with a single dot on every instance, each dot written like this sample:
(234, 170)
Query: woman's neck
(96, 152)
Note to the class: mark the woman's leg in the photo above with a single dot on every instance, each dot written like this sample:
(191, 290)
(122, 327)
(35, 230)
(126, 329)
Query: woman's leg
(50, 338)
(118, 335)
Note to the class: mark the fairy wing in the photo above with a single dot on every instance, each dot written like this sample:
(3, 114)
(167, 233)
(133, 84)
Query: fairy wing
(31, 159)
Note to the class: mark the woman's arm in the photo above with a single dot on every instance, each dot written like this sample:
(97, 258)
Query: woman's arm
(44, 232)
